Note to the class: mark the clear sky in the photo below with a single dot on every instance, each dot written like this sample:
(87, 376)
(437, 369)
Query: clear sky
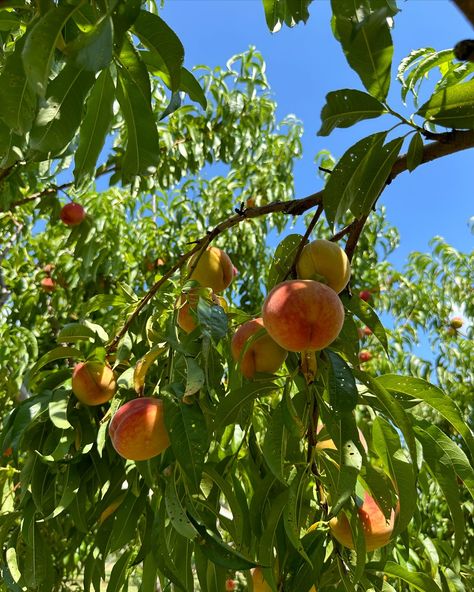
(305, 63)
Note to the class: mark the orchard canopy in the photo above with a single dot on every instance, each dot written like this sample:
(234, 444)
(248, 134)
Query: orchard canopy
(155, 432)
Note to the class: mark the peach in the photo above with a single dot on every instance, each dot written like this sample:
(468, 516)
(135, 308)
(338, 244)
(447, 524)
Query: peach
(48, 284)
(259, 583)
(93, 383)
(303, 315)
(213, 270)
(187, 303)
(365, 355)
(326, 443)
(456, 322)
(262, 355)
(138, 430)
(72, 214)
(324, 259)
(365, 295)
(377, 529)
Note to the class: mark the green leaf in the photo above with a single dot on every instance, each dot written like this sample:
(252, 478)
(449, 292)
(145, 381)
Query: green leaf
(392, 408)
(95, 126)
(346, 107)
(417, 580)
(189, 439)
(155, 34)
(367, 315)
(367, 44)
(134, 95)
(372, 178)
(283, 259)
(451, 107)
(41, 43)
(343, 186)
(231, 405)
(291, 512)
(38, 567)
(92, 51)
(342, 387)
(274, 445)
(126, 519)
(69, 483)
(17, 99)
(59, 118)
(421, 69)
(175, 510)
(415, 152)
(191, 86)
(75, 332)
(212, 319)
(387, 445)
(433, 396)
(443, 471)
(58, 353)
(57, 409)
(118, 575)
(216, 550)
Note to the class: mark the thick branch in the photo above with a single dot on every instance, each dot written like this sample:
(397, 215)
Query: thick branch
(447, 144)
(467, 7)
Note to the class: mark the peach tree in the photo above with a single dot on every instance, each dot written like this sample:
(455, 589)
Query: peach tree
(343, 465)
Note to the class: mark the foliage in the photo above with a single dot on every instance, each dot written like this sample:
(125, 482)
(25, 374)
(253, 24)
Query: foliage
(243, 480)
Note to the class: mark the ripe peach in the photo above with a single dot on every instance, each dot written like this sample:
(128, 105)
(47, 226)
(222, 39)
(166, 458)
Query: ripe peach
(48, 284)
(456, 322)
(377, 529)
(93, 383)
(303, 315)
(259, 582)
(187, 303)
(365, 355)
(326, 443)
(213, 270)
(262, 355)
(72, 214)
(326, 259)
(138, 430)
(365, 295)
(367, 331)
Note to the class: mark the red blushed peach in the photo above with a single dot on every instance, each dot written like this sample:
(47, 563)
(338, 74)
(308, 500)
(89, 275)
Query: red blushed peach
(48, 284)
(377, 529)
(93, 383)
(259, 582)
(138, 430)
(262, 355)
(303, 315)
(187, 303)
(213, 270)
(72, 214)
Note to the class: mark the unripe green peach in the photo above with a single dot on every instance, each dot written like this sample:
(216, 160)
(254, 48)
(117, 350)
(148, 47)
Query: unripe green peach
(93, 383)
(324, 259)
(262, 355)
(214, 269)
(303, 315)
(138, 430)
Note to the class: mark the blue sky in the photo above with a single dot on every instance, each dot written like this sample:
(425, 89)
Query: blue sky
(305, 63)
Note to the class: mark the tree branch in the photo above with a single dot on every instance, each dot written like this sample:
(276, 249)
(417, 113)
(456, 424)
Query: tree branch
(467, 7)
(449, 143)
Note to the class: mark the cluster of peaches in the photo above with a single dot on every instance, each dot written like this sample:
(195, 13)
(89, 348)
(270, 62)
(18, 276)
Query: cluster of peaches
(301, 315)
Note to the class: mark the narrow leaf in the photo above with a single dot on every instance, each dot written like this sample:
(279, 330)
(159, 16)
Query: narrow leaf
(415, 152)
(452, 106)
(95, 126)
(41, 43)
(155, 34)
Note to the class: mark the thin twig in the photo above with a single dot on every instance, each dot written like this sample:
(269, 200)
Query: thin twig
(304, 240)
(461, 141)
